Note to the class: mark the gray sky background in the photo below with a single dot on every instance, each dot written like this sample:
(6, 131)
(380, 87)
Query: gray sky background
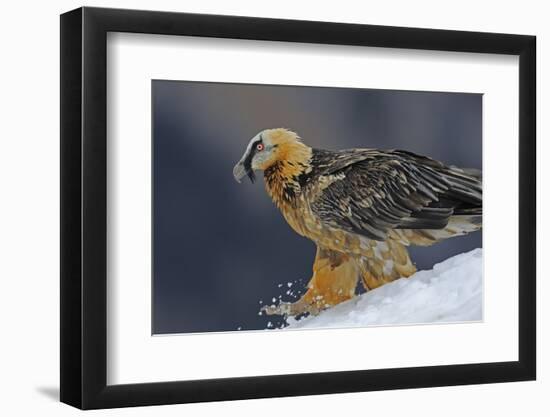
(221, 247)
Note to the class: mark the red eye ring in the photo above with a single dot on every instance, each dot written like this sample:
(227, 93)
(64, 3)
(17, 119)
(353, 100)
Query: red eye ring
(260, 146)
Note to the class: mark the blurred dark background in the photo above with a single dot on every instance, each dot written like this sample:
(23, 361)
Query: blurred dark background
(221, 249)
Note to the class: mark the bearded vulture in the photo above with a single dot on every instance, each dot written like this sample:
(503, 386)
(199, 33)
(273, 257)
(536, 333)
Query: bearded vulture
(362, 208)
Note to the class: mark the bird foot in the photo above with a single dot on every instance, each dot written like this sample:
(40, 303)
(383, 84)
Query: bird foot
(292, 309)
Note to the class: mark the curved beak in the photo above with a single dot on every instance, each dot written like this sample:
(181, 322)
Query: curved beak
(243, 168)
(239, 171)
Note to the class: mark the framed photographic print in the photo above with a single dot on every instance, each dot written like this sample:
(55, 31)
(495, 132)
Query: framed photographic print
(257, 208)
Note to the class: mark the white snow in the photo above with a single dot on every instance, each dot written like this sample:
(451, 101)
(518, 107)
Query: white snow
(451, 292)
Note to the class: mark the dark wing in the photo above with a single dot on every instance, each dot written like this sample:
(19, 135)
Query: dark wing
(370, 192)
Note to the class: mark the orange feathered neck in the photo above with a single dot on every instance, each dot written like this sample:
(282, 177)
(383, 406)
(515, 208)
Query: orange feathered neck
(291, 160)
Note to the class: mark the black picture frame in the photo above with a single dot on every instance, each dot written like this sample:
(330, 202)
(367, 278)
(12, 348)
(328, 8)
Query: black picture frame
(84, 197)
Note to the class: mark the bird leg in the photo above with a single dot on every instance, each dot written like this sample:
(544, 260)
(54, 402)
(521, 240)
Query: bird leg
(386, 262)
(334, 280)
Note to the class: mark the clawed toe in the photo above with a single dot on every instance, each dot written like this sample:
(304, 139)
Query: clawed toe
(280, 309)
(291, 309)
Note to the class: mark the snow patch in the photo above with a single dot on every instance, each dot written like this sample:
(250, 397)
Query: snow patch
(451, 292)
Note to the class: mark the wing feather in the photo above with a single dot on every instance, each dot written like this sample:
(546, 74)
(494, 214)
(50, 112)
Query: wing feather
(371, 192)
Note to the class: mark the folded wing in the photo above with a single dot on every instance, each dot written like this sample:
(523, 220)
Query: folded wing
(372, 192)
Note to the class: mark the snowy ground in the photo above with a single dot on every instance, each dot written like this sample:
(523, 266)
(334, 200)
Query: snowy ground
(451, 292)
